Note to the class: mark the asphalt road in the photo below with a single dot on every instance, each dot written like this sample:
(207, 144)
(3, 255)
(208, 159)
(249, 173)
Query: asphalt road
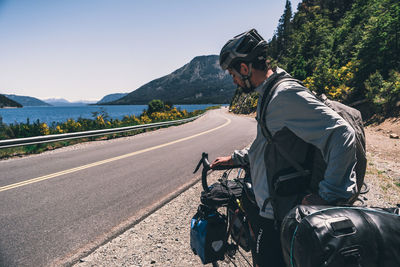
(54, 204)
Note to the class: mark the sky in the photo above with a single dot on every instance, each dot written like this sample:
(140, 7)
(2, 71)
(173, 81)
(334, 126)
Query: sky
(86, 49)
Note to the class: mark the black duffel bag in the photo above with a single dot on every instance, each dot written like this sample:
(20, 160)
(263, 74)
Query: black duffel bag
(341, 237)
(222, 193)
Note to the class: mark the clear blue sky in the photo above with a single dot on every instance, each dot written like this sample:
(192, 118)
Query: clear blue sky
(86, 49)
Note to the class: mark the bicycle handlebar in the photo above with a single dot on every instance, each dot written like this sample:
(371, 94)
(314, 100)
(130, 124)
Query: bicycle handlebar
(206, 167)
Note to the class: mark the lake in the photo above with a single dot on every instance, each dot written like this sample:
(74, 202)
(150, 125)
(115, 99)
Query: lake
(63, 113)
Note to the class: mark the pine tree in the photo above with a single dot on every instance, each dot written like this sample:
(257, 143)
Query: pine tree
(347, 49)
(284, 30)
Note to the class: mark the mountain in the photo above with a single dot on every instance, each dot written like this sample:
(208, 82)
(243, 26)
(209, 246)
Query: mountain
(201, 81)
(57, 101)
(111, 97)
(27, 100)
(5, 102)
(64, 102)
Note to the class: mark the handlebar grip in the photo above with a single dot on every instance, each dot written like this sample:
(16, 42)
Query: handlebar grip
(204, 180)
(206, 167)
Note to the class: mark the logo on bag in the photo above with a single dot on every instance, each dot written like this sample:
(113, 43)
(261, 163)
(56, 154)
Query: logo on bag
(217, 245)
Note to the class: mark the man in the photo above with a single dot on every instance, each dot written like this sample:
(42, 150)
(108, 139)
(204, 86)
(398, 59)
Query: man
(301, 125)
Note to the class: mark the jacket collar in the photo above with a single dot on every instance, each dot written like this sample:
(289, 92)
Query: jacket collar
(278, 72)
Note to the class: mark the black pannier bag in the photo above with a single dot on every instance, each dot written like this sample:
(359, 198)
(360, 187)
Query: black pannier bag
(241, 219)
(240, 231)
(208, 234)
(222, 193)
(341, 237)
(235, 194)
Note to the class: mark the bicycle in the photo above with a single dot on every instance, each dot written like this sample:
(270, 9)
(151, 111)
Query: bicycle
(229, 200)
(232, 208)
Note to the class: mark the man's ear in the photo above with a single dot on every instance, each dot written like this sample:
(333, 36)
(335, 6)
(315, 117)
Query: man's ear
(244, 69)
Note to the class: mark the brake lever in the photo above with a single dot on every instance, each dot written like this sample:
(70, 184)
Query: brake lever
(198, 166)
(204, 161)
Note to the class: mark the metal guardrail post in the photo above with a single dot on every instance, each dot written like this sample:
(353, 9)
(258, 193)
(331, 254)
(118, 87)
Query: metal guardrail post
(68, 136)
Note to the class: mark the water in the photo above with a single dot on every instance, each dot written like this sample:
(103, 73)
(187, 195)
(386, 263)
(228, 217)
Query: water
(63, 113)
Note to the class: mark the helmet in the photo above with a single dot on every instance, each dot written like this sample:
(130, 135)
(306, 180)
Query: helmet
(246, 47)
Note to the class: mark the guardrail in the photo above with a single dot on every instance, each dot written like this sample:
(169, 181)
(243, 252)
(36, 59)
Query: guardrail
(67, 136)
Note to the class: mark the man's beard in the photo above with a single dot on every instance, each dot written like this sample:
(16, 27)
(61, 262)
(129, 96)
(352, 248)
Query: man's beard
(247, 87)
(247, 90)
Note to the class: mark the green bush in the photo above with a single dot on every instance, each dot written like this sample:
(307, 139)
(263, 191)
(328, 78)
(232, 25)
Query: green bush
(155, 105)
(384, 94)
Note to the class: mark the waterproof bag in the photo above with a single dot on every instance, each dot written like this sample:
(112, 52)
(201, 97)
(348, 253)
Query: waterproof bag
(208, 234)
(341, 237)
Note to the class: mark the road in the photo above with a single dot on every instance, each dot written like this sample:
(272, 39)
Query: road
(60, 202)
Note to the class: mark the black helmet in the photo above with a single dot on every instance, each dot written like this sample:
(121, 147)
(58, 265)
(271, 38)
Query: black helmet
(247, 46)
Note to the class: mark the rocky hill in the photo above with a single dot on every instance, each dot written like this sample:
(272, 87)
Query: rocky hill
(111, 97)
(27, 100)
(201, 81)
(5, 102)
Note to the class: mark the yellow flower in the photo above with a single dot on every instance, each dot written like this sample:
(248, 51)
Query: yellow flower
(58, 129)
(145, 119)
(44, 129)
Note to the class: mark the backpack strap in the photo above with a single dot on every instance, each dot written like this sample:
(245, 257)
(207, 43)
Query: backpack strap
(265, 102)
(261, 120)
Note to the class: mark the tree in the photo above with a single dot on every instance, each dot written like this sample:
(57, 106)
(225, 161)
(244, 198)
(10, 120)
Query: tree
(155, 105)
(347, 49)
(284, 30)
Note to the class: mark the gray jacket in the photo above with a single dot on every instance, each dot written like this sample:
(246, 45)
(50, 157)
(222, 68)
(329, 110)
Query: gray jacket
(298, 110)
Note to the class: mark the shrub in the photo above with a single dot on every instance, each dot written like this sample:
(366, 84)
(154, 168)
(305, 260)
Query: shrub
(384, 94)
(334, 82)
(155, 105)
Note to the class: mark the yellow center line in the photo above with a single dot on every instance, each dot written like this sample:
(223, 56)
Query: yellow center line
(94, 164)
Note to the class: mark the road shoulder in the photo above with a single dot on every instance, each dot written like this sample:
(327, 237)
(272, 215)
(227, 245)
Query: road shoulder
(162, 239)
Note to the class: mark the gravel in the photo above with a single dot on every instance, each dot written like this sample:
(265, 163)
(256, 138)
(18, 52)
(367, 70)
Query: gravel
(162, 239)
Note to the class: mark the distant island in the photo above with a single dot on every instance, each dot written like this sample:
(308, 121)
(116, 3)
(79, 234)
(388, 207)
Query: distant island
(6, 102)
(64, 102)
(27, 101)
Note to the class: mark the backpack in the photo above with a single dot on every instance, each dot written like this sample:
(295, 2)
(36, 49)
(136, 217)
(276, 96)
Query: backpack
(299, 178)
(353, 117)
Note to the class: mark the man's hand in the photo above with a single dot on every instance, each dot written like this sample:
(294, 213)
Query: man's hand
(222, 161)
(313, 199)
